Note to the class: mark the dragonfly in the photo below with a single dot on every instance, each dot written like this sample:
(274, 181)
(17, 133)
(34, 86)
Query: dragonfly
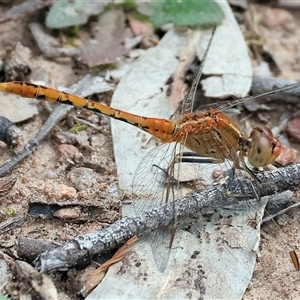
(208, 133)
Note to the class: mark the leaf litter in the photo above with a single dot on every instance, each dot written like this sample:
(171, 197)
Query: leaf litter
(38, 159)
(106, 46)
(66, 13)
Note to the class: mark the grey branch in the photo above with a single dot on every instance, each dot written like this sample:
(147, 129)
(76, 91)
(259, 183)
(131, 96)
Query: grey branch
(59, 112)
(82, 248)
(262, 84)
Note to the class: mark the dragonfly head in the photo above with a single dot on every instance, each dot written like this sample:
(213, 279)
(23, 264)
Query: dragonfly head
(264, 148)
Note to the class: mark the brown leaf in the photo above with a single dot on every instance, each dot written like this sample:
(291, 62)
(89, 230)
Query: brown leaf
(106, 47)
(287, 156)
(139, 27)
(99, 274)
(178, 87)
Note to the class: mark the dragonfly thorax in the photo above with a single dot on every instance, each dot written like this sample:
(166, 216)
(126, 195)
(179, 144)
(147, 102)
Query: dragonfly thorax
(213, 134)
(209, 134)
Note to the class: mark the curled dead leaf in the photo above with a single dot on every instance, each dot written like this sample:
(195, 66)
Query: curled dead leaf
(99, 274)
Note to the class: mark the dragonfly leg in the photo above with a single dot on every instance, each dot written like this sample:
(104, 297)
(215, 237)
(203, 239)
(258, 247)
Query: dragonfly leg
(247, 169)
(184, 157)
(193, 157)
(169, 178)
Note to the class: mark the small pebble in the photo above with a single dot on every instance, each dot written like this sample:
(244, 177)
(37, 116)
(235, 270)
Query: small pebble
(292, 130)
(81, 178)
(66, 152)
(60, 192)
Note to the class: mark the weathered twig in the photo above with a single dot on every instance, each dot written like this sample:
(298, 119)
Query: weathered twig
(49, 45)
(58, 114)
(11, 223)
(262, 84)
(9, 132)
(29, 248)
(84, 247)
(23, 9)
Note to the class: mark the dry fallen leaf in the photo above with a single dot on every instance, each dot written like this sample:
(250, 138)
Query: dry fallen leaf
(106, 47)
(287, 156)
(186, 57)
(99, 274)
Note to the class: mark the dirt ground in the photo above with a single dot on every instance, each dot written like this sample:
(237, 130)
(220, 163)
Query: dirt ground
(50, 176)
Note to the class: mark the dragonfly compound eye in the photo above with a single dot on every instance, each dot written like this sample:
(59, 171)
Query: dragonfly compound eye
(265, 147)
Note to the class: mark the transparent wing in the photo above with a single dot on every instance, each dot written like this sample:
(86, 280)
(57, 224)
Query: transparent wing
(157, 181)
(153, 185)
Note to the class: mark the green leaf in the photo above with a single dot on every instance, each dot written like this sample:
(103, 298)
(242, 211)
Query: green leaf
(186, 13)
(78, 127)
(2, 297)
(129, 4)
(70, 13)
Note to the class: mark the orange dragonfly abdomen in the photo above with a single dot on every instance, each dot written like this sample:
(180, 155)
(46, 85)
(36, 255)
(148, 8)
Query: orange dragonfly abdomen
(209, 133)
(160, 128)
